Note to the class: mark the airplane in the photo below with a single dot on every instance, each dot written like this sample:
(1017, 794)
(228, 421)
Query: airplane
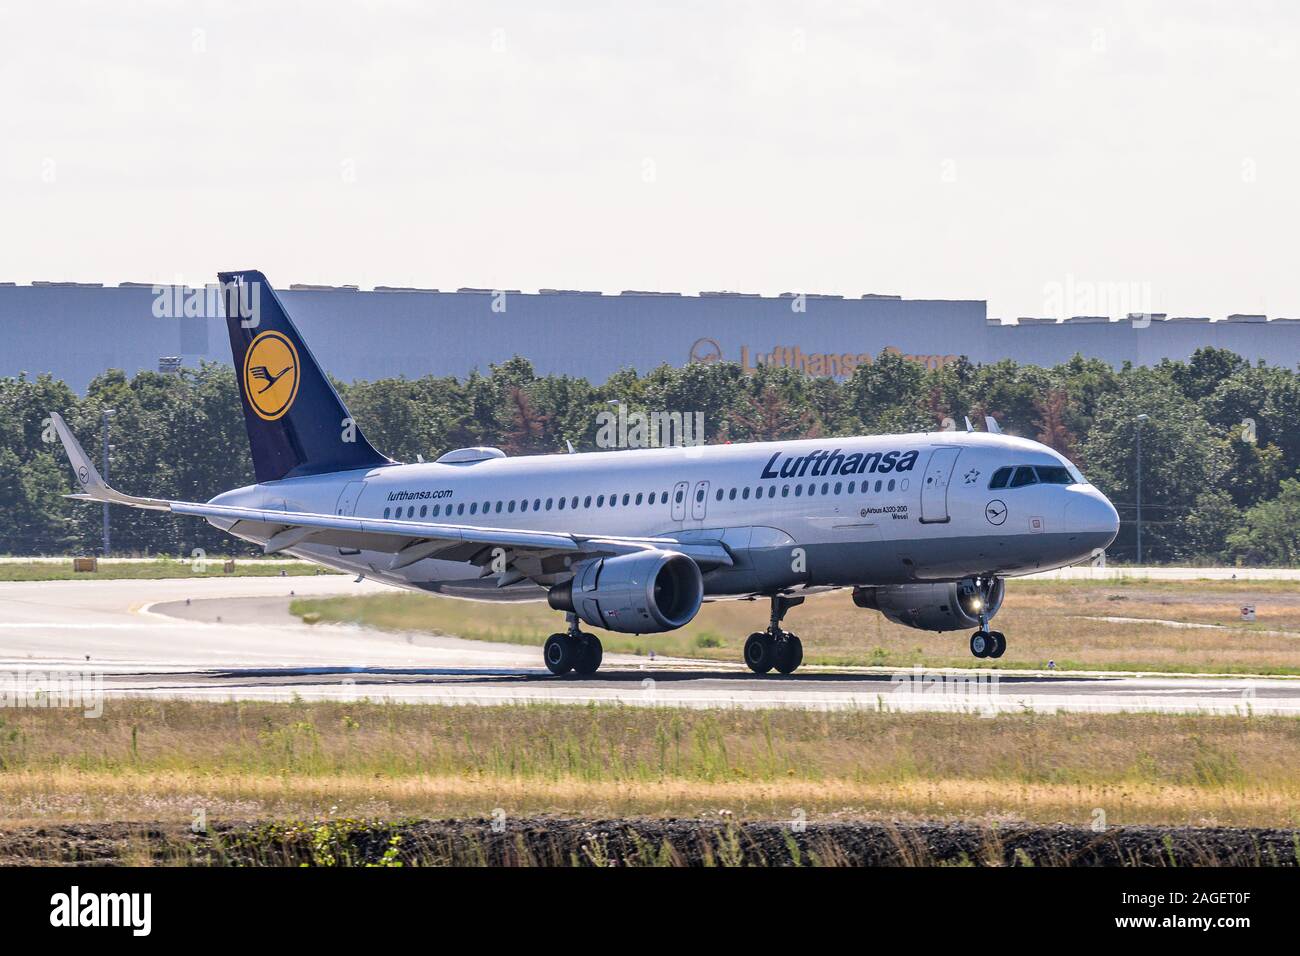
(924, 528)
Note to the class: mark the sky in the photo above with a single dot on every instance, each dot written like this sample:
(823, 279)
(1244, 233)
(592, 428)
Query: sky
(1053, 158)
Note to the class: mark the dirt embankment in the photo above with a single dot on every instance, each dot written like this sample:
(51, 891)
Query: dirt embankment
(644, 842)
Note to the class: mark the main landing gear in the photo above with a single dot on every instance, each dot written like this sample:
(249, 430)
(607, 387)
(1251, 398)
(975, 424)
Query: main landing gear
(775, 648)
(573, 650)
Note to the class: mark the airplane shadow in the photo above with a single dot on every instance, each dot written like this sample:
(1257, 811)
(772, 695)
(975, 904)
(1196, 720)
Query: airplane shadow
(468, 676)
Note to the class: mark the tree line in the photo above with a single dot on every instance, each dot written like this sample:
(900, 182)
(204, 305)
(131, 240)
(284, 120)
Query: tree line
(1220, 450)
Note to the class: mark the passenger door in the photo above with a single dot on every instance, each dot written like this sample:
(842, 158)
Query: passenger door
(934, 489)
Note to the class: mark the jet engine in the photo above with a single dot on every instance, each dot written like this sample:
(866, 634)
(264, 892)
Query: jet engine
(953, 606)
(640, 593)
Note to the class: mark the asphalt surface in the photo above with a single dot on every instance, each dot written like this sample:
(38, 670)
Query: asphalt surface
(226, 638)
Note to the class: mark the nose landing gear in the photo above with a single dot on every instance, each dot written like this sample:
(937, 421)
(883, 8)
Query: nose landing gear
(775, 648)
(988, 643)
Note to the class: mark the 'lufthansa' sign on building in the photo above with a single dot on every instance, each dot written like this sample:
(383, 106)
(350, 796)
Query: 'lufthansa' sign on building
(834, 364)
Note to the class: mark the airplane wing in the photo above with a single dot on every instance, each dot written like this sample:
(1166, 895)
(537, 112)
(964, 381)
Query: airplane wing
(543, 552)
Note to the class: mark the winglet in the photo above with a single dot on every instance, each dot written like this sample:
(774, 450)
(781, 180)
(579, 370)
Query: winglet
(991, 424)
(93, 487)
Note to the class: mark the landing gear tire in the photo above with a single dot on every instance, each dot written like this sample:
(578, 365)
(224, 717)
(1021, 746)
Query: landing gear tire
(981, 643)
(760, 652)
(561, 653)
(999, 644)
(789, 654)
(590, 653)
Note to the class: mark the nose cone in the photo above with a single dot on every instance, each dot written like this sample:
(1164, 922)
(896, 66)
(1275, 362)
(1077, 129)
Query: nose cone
(1091, 515)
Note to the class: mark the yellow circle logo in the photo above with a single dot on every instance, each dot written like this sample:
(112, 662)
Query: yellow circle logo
(271, 375)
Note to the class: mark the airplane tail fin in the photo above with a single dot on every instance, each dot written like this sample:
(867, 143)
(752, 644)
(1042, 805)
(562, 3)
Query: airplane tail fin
(297, 424)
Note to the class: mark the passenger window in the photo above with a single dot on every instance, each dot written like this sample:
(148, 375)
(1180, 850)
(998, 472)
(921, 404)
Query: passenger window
(718, 497)
(561, 503)
(600, 501)
(436, 509)
(549, 501)
(679, 497)
(877, 484)
(387, 512)
(537, 504)
(838, 486)
(498, 508)
(785, 491)
(1024, 476)
(744, 493)
(1000, 477)
(699, 495)
(798, 491)
(771, 491)
(523, 505)
(891, 484)
(461, 509)
(473, 508)
(511, 507)
(826, 487)
(638, 497)
(586, 502)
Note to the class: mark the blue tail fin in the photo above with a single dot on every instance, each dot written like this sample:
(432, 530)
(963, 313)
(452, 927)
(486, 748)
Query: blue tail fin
(297, 424)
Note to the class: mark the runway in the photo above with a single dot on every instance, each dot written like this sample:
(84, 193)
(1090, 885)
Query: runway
(233, 638)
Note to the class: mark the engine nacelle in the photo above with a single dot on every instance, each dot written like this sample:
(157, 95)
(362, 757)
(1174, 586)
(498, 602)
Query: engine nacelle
(640, 593)
(954, 606)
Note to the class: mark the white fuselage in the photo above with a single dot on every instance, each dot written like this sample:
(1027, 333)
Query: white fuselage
(865, 511)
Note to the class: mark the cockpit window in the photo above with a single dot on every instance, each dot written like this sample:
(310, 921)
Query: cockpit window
(1018, 476)
(1000, 477)
(1054, 475)
(1024, 476)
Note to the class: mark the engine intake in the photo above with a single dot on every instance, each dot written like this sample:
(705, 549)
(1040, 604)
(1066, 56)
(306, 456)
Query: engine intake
(953, 606)
(641, 593)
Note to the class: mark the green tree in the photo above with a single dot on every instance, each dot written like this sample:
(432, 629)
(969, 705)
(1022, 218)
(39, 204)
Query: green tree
(1270, 530)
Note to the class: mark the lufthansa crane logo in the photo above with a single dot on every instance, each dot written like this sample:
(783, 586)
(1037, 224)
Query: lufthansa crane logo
(271, 375)
(705, 351)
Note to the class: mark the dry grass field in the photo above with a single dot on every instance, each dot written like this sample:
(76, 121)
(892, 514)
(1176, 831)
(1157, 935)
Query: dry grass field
(165, 760)
(157, 569)
(1126, 625)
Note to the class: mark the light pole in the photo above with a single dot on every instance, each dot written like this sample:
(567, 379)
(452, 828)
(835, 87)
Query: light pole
(1140, 420)
(105, 416)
